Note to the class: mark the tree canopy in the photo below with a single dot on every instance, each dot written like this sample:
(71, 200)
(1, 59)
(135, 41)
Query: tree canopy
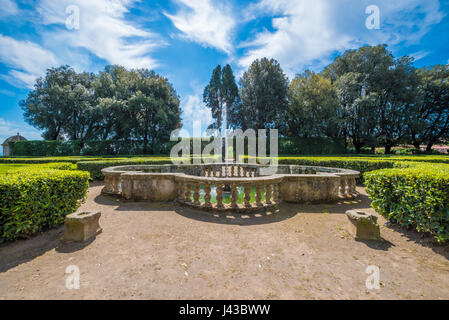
(118, 104)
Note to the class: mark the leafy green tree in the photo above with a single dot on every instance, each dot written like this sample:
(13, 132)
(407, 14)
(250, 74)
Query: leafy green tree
(429, 117)
(111, 90)
(313, 107)
(153, 106)
(375, 91)
(135, 105)
(263, 94)
(49, 105)
(396, 96)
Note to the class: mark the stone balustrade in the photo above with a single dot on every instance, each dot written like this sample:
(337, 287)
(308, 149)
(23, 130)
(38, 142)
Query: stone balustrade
(195, 185)
(266, 193)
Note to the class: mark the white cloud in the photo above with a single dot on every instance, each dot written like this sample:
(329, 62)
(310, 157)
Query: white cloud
(210, 24)
(307, 33)
(8, 129)
(103, 30)
(420, 54)
(8, 8)
(193, 109)
(26, 59)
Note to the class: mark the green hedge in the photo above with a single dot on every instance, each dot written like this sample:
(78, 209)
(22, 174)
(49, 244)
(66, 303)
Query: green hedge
(415, 197)
(39, 160)
(24, 168)
(359, 164)
(38, 199)
(304, 146)
(42, 148)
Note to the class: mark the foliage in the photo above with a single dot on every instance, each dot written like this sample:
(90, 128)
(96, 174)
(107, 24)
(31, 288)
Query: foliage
(45, 148)
(221, 96)
(312, 109)
(38, 199)
(116, 104)
(429, 117)
(311, 145)
(375, 90)
(416, 197)
(263, 93)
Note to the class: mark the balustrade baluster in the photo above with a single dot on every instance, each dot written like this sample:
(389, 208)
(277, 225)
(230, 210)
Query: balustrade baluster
(188, 193)
(247, 190)
(234, 196)
(276, 192)
(207, 196)
(196, 194)
(219, 195)
(259, 195)
(268, 194)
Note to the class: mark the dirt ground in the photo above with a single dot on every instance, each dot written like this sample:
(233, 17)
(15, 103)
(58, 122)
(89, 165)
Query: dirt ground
(156, 251)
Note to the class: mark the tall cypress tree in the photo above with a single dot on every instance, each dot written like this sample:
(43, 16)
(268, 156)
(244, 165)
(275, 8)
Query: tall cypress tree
(212, 97)
(222, 93)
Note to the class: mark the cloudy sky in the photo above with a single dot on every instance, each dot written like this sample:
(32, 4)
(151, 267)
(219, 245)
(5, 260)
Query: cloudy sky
(185, 39)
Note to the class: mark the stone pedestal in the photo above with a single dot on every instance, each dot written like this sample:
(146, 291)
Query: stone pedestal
(81, 226)
(363, 225)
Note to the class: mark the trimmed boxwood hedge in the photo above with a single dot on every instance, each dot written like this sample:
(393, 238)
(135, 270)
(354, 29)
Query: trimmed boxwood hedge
(28, 160)
(38, 199)
(359, 164)
(415, 197)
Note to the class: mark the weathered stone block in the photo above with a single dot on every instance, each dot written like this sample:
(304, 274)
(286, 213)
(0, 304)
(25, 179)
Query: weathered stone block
(81, 226)
(363, 225)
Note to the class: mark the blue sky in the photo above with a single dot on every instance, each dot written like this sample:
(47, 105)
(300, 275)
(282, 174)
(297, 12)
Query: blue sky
(185, 39)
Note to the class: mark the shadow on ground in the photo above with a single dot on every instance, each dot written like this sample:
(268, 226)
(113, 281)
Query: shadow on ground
(285, 211)
(15, 253)
(423, 239)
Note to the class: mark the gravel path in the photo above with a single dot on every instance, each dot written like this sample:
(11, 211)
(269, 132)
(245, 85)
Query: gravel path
(155, 251)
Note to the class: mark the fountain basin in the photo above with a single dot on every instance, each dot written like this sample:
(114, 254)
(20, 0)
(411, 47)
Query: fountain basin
(250, 190)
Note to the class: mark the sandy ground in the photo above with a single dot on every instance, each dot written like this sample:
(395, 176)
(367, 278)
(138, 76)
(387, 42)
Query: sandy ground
(155, 251)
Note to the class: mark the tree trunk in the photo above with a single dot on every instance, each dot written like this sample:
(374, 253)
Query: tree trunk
(357, 145)
(387, 149)
(429, 147)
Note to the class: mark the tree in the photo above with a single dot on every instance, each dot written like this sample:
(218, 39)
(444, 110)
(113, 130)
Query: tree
(396, 96)
(429, 117)
(222, 97)
(111, 90)
(153, 106)
(375, 90)
(116, 104)
(263, 94)
(49, 106)
(231, 98)
(313, 107)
